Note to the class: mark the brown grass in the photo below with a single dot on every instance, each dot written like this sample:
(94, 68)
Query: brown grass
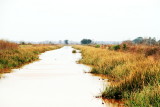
(134, 71)
(7, 45)
(16, 56)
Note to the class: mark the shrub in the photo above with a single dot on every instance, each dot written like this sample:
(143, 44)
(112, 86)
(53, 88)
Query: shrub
(151, 51)
(73, 51)
(124, 47)
(97, 46)
(115, 47)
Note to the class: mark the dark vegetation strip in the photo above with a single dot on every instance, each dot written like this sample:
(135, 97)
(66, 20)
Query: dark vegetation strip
(137, 76)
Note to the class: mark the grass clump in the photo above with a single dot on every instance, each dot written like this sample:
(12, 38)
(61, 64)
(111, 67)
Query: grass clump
(97, 46)
(148, 97)
(74, 51)
(135, 81)
(137, 76)
(115, 47)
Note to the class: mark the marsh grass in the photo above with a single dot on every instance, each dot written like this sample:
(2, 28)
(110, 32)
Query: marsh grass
(148, 97)
(135, 74)
(19, 55)
(7, 45)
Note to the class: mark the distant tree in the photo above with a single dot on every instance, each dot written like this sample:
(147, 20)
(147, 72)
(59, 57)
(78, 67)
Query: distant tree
(138, 40)
(153, 41)
(86, 41)
(60, 42)
(66, 41)
(158, 42)
(146, 41)
(51, 43)
(22, 43)
(150, 41)
(29, 43)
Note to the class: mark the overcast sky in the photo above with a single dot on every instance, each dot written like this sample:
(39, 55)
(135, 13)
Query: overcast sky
(106, 20)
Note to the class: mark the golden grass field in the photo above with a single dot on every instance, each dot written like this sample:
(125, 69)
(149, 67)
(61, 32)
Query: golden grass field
(134, 72)
(136, 76)
(13, 55)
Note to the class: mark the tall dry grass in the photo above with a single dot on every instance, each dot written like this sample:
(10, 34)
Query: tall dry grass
(134, 72)
(13, 55)
(7, 45)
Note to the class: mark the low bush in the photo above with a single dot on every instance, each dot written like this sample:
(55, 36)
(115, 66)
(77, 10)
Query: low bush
(115, 47)
(97, 46)
(124, 47)
(74, 51)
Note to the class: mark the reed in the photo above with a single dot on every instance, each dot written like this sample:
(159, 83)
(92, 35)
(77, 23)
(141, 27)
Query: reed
(19, 55)
(134, 73)
(7, 45)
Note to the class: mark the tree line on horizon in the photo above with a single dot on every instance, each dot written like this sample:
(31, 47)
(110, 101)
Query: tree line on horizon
(144, 41)
(138, 40)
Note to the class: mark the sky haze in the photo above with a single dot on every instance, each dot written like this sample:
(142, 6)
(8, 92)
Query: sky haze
(103, 20)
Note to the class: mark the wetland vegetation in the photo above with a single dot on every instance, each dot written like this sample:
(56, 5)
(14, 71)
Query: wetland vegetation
(133, 70)
(13, 55)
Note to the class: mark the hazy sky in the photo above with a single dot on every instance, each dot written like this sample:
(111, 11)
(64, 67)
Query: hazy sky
(106, 20)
